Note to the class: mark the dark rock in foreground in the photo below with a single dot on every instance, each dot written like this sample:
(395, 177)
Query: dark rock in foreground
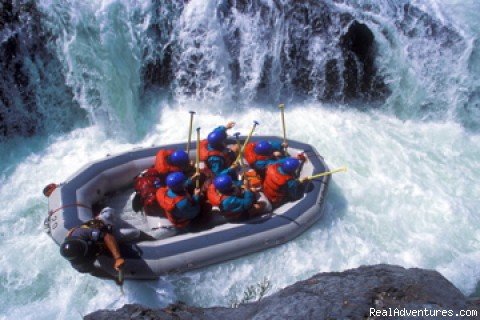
(391, 291)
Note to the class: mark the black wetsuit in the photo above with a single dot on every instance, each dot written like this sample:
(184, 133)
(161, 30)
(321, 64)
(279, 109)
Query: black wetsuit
(92, 232)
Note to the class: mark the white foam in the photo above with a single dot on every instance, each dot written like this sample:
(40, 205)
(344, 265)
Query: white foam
(409, 198)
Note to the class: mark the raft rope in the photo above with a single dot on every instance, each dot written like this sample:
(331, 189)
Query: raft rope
(51, 212)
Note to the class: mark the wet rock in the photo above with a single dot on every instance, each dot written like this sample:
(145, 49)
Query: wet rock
(303, 49)
(352, 294)
(282, 49)
(157, 70)
(324, 53)
(33, 94)
(358, 48)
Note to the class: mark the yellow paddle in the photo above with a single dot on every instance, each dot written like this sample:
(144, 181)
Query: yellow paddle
(319, 175)
(190, 130)
(282, 110)
(120, 279)
(240, 154)
(236, 135)
(197, 159)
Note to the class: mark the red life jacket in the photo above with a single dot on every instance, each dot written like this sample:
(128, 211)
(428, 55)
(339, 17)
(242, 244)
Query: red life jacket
(145, 186)
(274, 181)
(161, 162)
(168, 204)
(251, 156)
(205, 153)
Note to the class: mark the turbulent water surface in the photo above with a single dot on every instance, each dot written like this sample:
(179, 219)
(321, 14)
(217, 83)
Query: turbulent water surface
(411, 196)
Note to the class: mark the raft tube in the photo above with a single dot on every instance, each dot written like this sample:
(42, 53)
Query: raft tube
(71, 202)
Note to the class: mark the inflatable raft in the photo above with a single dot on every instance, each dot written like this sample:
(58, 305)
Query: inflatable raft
(151, 247)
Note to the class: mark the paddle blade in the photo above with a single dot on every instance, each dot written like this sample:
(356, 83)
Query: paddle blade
(341, 169)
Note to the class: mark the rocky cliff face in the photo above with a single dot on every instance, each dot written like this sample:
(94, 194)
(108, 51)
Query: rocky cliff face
(368, 292)
(33, 93)
(324, 53)
(230, 50)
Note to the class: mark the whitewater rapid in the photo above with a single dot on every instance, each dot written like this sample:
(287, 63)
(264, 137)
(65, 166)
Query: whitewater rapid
(410, 197)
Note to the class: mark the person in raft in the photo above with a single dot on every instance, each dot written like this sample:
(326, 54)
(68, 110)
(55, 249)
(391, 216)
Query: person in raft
(281, 184)
(180, 206)
(145, 186)
(170, 160)
(263, 153)
(235, 202)
(216, 155)
(85, 243)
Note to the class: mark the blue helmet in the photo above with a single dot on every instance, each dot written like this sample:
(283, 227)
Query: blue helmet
(263, 148)
(290, 165)
(176, 181)
(223, 183)
(179, 158)
(216, 137)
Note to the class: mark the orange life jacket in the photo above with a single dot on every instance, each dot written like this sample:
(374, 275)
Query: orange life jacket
(205, 153)
(168, 204)
(273, 184)
(216, 198)
(255, 180)
(251, 156)
(145, 186)
(161, 162)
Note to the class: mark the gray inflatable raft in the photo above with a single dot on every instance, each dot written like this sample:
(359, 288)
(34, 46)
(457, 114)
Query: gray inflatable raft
(150, 245)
